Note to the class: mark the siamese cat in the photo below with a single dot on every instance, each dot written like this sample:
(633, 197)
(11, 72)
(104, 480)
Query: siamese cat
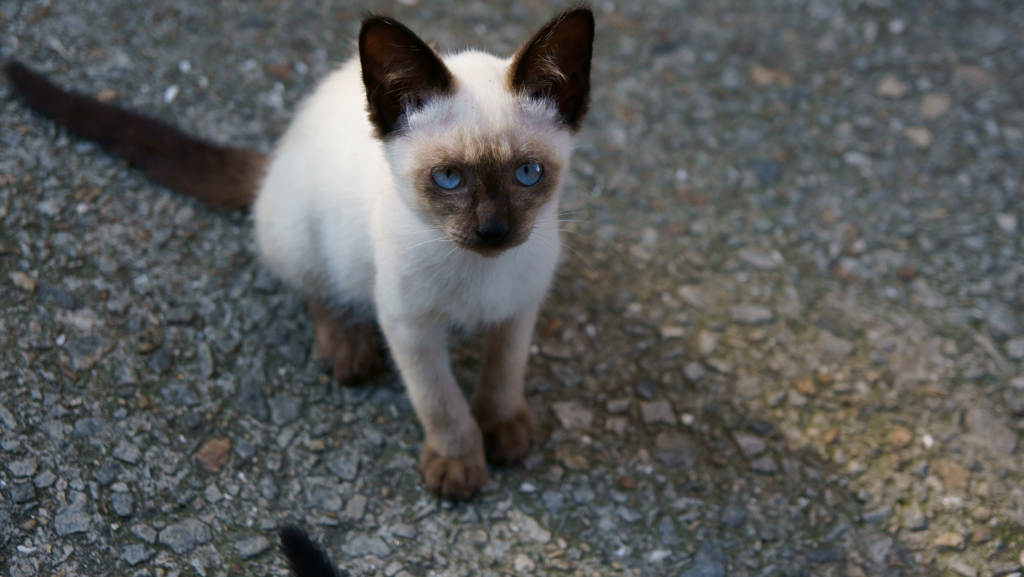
(412, 193)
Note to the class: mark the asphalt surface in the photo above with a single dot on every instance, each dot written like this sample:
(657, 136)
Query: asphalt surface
(786, 338)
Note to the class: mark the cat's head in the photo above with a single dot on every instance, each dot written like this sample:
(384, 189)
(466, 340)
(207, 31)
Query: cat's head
(479, 145)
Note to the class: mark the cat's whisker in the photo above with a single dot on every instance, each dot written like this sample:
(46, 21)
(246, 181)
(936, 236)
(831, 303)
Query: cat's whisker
(587, 262)
(412, 247)
(409, 234)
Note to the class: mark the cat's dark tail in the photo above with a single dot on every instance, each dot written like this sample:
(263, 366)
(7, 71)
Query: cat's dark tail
(306, 558)
(225, 178)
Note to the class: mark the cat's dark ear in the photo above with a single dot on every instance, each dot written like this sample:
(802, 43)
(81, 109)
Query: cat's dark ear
(399, 70)
(555, 64)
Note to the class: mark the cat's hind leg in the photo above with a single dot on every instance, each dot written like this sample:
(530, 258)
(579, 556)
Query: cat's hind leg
(351, 347)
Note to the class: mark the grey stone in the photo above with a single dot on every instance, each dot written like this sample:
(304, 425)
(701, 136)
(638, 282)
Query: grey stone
(734, 515)
(552, 501)
(572, 415)
(125, 375)
(185, 535)
(583, 495)
(829, 554)
(707, 342)
(123, 504)
(644, 390)
(52, 295)
(750, 445)
(879, 515)
(1015, 349)
(73, 517)
(252, 546)
(22, 492)
(709, 562)
(135, 554)
(355, 508)
(268, 488)
(667, 533)
(145, 532)
(159, 361)
(676, 449)
(694, 372)
(834, 349)
(657, 412)
(361, 545)
(566, 375)
(768, 172)
(127, 452)
(7, 418)
(108, 472)
(751, 314)
(22, 567)
(90, 428)
(284, 409)
(244, 449)
(44, 480)
(23, 467)
(179, 395)
(322, 495)
(250, 401)
(179, 316)
(914, 519)
(764, 465)
(617, 406)
(758, 260)
(85, 352)
(345, 464)
(205, 361)
(990, 432)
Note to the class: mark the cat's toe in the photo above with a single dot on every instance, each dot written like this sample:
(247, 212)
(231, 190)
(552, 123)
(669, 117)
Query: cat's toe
(456, 479)
(508, 441)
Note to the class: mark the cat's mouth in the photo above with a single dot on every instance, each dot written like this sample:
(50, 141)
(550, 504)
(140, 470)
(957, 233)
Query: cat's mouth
(488, 246)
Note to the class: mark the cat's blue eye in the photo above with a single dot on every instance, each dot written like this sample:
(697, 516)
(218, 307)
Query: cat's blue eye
(528, 174)
(447, 178)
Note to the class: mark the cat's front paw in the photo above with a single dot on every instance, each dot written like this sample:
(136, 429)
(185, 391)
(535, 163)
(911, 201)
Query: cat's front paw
(508, 441)
(457, 479)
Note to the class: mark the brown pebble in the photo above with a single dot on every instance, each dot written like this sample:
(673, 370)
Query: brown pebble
(627, 483)
(805, 386)
(900, 437)
(982, 535)
(829, 436)
(953, 475)
(23, 281)
(950, 541)
(106, 95)
(907, 272)
(214, 454)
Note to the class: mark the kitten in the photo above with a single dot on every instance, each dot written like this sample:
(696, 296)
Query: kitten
(412, 193)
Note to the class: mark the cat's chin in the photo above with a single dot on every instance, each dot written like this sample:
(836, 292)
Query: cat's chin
(488, 250)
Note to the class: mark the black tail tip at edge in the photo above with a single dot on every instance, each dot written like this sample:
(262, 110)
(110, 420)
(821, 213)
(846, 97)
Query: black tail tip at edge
(307, 559)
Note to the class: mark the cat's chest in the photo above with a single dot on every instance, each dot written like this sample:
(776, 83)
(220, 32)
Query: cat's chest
(455, 287)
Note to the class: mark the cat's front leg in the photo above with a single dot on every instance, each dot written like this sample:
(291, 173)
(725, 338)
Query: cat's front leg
(452, 461)
(500, 404)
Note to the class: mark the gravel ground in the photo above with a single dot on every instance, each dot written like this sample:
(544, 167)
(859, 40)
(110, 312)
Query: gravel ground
(786, 338)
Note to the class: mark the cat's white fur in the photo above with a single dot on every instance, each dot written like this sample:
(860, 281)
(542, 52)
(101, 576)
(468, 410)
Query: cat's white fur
(338, 219)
